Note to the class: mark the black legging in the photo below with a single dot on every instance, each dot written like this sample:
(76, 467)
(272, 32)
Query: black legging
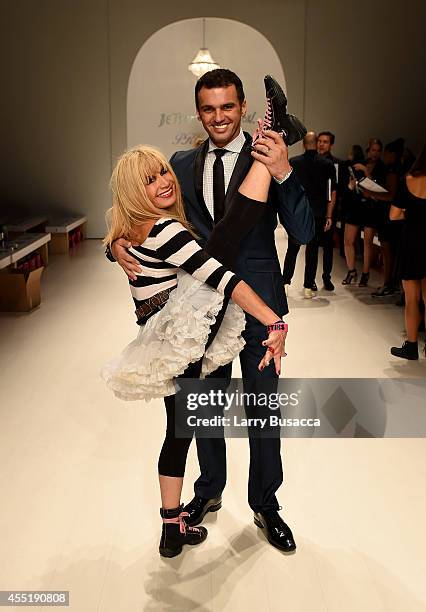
(223, 244)
(174, 451)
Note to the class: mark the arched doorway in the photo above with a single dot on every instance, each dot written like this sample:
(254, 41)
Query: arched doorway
(160, 100)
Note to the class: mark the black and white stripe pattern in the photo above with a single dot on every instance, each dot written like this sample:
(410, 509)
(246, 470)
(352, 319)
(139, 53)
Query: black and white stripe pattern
(169, 246)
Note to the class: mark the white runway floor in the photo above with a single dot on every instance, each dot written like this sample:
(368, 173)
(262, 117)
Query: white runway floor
(79, 496)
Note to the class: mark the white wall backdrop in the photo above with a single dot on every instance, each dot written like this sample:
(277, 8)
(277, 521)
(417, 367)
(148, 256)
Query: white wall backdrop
(160, 101)
(354, 68)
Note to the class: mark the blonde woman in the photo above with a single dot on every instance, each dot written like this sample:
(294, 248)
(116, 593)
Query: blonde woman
(178, 295)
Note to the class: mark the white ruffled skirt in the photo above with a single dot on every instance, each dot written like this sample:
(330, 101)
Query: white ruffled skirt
(172, 339)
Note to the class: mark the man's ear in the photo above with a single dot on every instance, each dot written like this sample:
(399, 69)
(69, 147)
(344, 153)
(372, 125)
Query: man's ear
(244, 109)
(198, 116)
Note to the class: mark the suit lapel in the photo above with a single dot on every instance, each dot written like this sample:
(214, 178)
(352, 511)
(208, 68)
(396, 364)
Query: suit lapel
(198, 180)
(240, 170)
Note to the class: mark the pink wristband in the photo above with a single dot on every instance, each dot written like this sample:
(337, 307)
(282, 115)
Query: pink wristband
(277, 326)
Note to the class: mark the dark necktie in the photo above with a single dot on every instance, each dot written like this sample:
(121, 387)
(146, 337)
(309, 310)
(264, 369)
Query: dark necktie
(218, 185)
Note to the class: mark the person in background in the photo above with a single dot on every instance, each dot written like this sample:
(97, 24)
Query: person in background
(362, 211)
(324, 147)
(407, 160)
(318, 176)
(355, 155)
(388, 232)
(410, 204)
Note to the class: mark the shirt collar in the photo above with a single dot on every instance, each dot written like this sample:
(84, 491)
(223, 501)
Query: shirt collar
(234, 146)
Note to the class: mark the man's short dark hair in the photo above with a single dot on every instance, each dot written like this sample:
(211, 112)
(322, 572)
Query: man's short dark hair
(221, 77)
(329, 134)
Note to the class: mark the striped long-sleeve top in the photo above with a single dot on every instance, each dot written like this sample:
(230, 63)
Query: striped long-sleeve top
(169, 246)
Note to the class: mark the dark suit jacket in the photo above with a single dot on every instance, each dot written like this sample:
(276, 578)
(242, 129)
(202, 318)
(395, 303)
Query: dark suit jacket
(342, 183)
(257, 263)
(314, 171)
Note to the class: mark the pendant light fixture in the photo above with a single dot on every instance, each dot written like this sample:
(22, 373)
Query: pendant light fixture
(203, 61)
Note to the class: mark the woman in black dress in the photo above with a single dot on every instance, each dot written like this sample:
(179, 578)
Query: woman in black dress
(389, 233)
(362, 211)
(411, 205)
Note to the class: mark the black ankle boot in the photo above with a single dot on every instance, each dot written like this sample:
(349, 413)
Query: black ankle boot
(276, 116)
(176, 532)
(409, 350)
(364, 279)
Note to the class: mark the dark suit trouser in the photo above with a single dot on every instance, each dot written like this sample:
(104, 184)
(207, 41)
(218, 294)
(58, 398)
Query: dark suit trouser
(311, 256)
(265, 471)
(328, 251)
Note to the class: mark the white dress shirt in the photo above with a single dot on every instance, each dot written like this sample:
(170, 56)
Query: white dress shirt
(229, 159)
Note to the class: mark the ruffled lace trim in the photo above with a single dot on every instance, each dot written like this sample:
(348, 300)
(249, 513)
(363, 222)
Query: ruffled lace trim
(228, 342)
(173, 338)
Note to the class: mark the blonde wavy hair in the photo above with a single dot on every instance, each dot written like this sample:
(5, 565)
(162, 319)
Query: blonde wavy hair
(130, 203)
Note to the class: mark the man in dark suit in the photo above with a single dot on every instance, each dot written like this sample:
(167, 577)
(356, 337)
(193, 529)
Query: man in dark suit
(220, 104)
(325, 145)
(318, 176)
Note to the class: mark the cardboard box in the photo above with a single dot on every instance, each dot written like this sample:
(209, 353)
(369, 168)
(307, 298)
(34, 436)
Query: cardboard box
(19, 291)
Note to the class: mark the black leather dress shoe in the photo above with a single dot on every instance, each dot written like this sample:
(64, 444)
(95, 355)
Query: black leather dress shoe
(198, 508)
(278, 533)
(328, 285)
